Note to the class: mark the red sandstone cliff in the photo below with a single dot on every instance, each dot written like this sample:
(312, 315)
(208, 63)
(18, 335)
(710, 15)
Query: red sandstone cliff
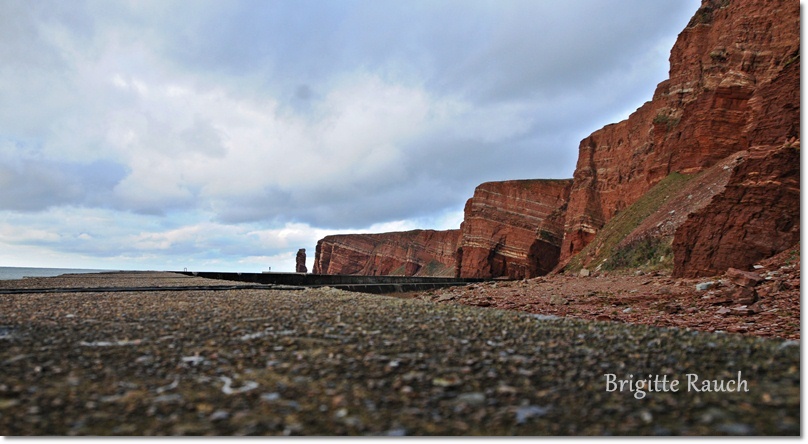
(512, 228)
(406, 253)
(734, 86)
(756, 216)
(734, 83)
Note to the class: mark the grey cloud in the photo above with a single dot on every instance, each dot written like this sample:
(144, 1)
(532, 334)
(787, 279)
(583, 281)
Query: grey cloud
(438, 170)
(439, 175)
(491, 51)
(33, 185)
(22, 44)
(543, 49)
(336, 207)
(201, 137)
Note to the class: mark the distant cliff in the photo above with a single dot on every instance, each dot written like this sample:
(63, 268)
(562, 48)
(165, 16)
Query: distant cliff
(506, 231)
(699, 173)
(405, 253)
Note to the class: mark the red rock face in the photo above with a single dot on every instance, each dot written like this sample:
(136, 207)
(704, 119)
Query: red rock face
(755, 217)
(507, 229)
(734, 83)
(407, 253)
(300, 261)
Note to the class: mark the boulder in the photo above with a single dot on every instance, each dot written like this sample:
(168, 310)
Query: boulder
(743, 278)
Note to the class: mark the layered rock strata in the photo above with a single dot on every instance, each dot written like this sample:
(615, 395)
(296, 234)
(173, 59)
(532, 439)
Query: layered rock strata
(756, 216)
(406, 253)
(512, 228)
(734, 83)
(650, 223)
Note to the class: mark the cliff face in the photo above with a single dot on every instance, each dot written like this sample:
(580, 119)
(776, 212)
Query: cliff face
(732, 100)
(734, 83)
(511, 228)
(508, 230)
(406, 253)
(756, 216)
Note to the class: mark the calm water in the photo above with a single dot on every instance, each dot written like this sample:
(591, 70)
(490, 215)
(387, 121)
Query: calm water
(21, 272)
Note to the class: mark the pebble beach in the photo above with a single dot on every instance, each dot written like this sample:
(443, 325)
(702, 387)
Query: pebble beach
(145, 353)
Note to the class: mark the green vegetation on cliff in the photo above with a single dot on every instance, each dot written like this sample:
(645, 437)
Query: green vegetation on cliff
(652, 252)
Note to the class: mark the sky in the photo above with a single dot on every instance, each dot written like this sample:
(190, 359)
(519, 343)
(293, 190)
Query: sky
(218, 135)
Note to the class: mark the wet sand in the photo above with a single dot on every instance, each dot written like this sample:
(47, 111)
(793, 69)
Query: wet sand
(247, 361)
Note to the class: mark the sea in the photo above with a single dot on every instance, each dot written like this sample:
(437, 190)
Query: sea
(7, 273)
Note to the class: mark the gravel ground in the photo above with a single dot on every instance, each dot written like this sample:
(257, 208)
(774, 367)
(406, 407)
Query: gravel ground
(653, 298)
(328, 362)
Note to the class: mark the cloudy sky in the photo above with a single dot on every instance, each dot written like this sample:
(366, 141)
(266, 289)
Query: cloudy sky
(225, 135)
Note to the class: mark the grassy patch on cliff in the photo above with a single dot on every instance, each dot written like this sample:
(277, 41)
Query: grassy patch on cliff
(437, 269)
(603, 249)
(433, 269)
(648, 253)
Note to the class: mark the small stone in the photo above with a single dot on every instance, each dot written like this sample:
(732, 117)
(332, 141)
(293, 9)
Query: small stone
(584, 272)
(743, 310)
(228, 389)
(450, 381)
(167, 399)
(704, 286)
(530, 411)
(736, 428)
(6, 403)
(193, 360)
(400, 431)
(745, 295)
(269, 397)
(219, 415)
(503, 389)
(472, 398)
